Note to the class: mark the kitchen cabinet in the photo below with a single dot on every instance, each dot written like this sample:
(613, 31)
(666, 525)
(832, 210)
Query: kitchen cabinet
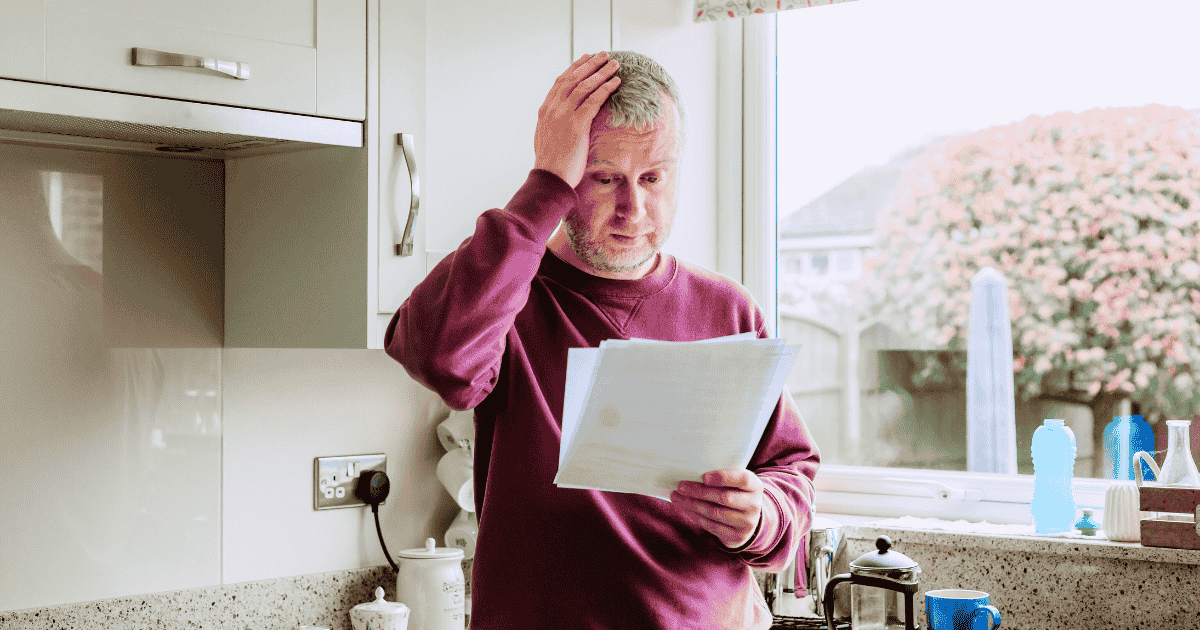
(310, 236)
(487, 70)
(23, 40)
(303, 56)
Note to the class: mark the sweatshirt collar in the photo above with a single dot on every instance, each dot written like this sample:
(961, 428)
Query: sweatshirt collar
(574, 278)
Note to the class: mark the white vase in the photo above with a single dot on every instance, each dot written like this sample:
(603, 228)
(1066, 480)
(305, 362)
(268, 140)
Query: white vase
(1122, 513)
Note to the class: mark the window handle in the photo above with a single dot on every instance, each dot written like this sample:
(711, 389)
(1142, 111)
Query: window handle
(150, 57)
(941, 491)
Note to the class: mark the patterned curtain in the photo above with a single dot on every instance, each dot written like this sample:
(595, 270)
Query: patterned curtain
(712, 10)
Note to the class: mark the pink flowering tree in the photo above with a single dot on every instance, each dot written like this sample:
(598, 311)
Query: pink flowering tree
(1094, 219)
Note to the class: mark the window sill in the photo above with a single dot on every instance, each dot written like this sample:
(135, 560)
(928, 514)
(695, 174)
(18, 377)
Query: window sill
(867, 528)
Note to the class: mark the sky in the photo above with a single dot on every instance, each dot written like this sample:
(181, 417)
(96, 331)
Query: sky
(860, 81)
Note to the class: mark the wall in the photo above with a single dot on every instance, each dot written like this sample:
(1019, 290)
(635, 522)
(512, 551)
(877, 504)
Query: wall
(283, 407)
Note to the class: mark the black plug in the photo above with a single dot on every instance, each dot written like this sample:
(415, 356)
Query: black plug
(372, 488)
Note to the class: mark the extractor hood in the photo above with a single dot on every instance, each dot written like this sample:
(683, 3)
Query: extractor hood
(41, 113)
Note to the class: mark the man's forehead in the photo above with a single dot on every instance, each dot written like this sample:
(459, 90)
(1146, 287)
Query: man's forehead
(601, 162)
(655, 147)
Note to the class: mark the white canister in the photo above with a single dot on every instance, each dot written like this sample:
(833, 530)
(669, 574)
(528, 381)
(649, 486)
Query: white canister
(431, 582)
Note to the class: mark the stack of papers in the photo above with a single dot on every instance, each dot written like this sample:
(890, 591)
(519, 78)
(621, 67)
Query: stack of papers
(640, 415)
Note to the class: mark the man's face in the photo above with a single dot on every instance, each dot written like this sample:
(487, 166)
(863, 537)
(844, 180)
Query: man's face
(627, 196)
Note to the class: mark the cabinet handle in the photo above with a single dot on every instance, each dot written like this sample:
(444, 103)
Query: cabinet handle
(150, 57)
(404, 241)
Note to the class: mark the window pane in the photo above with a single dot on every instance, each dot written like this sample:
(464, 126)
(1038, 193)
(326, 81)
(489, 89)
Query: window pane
(920, 142)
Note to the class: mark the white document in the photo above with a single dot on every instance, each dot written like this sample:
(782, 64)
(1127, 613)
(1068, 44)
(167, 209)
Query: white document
(642, 415)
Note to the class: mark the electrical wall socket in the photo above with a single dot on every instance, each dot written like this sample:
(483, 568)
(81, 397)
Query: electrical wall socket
(334, 479)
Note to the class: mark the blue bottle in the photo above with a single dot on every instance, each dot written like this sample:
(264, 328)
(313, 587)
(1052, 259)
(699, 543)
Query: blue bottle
(1123, 437)
(1053, 504)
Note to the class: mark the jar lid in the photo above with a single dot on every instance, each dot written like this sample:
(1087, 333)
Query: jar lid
(883, 559)
(380, 606)
(432, 552)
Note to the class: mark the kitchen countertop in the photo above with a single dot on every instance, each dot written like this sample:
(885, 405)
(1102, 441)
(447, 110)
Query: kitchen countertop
(1039, 583)
(1043, 582)
(938, 532)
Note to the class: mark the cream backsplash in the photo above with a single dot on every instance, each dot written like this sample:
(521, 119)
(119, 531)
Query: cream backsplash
(111, 370)
(141, 456)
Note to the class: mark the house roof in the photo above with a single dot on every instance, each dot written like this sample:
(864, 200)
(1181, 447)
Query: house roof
(851, 206)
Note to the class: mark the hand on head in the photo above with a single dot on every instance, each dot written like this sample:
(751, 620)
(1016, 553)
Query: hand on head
(560, 143)
(728, 504)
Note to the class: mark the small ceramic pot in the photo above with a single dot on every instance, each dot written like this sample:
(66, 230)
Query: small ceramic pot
(379, 614)
(1122, 513)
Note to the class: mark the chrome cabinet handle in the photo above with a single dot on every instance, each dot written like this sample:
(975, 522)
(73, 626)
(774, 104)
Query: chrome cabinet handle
(150, 57)
(404, 240)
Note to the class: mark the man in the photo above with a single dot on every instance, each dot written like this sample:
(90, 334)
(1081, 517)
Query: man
(490, 328)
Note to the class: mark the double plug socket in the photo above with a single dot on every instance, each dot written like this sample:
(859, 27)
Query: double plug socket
(334, 479)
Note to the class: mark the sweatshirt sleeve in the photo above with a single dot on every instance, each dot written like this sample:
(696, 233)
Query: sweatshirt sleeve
(786, 461)
(449, 334)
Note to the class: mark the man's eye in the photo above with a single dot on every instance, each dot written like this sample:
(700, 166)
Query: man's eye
(651, 178)
(604, 180)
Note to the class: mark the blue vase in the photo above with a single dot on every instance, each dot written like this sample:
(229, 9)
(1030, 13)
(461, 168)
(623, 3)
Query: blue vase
(1053, 453)
(1123, 437)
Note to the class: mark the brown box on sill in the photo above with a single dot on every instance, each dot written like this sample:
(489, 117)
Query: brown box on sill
(1177, 527)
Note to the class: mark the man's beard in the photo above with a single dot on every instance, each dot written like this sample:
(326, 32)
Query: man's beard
(594, 254)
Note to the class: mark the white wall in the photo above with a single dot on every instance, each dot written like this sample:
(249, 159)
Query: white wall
(282, 408)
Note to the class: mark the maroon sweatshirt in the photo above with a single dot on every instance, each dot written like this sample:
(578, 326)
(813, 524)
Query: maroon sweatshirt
(489, 328)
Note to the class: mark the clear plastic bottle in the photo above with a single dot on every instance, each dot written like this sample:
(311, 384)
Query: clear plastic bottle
(1123, 437)
(1053, 453)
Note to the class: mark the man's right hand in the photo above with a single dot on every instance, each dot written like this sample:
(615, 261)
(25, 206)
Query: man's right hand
(560, 144)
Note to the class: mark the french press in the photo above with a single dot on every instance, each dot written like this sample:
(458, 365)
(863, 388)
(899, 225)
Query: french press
(877, 581)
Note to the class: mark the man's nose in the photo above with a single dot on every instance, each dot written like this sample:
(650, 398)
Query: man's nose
(632, 203)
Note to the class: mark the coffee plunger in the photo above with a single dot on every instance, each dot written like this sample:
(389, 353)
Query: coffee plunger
(882, 585)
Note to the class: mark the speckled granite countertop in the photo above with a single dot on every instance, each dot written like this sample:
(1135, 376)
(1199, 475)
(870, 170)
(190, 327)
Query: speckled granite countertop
(1037, 583)
(318, 599)
(321, 599)
(917, 531)
(1046, 583)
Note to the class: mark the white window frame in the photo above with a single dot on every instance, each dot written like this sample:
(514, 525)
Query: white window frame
(747, 223)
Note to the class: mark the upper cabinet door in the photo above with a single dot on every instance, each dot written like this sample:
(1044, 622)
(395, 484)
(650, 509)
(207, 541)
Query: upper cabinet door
(23, 40)
(302, 56)
(466, 79)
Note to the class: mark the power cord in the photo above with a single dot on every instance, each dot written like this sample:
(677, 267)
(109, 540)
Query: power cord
(372, 488)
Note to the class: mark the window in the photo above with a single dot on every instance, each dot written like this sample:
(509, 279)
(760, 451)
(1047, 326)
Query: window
(920, 141)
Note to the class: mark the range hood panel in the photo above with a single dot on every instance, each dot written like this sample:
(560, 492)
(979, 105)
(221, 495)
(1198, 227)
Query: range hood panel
(59, 115)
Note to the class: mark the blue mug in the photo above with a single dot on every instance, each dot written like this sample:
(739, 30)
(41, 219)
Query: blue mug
(958, 609)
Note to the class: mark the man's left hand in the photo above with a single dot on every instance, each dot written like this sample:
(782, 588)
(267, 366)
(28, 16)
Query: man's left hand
(727, 504)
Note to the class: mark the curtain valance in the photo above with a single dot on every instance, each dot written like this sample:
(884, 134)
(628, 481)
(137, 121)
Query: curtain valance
(711, 10)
